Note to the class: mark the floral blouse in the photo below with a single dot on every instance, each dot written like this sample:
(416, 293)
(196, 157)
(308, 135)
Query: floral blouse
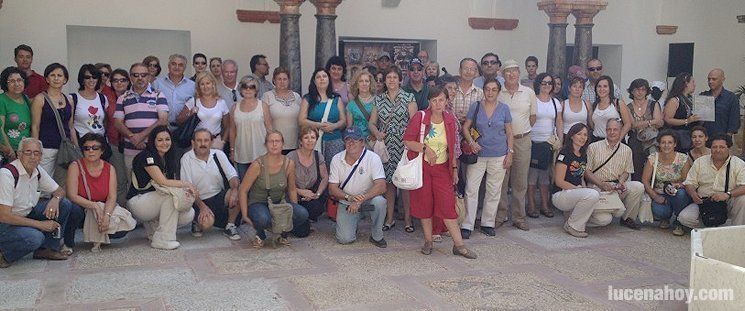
(669, 173)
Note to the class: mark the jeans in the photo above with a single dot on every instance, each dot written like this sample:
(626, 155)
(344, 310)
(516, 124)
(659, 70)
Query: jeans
(262, 219)
(315, 207)
(672, 206)
(242, 168)
(74, 221)
(19, 241)
(346, 223)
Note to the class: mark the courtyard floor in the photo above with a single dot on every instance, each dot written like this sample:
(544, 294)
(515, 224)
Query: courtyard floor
(541, 269)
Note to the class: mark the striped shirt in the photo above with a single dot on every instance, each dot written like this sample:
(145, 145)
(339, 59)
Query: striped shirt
(139, 112)
(463, 100)
(621, 162)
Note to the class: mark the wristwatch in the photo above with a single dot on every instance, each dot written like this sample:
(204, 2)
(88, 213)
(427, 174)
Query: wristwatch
(729, 193)
(346, 197)
(510, 150)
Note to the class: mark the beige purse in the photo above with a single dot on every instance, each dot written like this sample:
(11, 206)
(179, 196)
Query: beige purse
(119, 220)
(281, 212)
(645, 209)
(182, 199)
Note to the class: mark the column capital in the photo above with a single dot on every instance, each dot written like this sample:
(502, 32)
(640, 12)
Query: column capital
(557, 10)
(585, 10)
(326, 7)
(289, 6)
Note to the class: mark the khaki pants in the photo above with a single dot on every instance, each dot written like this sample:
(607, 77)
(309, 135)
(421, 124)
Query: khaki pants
(495, 174)
(517, 179)
(689, 216)
(632, 199)
(160, 218)
(581, 203)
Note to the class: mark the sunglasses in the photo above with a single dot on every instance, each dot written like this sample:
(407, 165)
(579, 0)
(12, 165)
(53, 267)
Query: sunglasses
(89, 148)
(89, 77)
(200, 63)
(235, 96)
(140, 75)
(544, 83)
(489, 62)
(598, 68)
(105, 74)
(119, 80)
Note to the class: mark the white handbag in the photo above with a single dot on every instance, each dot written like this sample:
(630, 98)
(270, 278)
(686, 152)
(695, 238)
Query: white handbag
(645, 208)
(324, 119)
(408, 174)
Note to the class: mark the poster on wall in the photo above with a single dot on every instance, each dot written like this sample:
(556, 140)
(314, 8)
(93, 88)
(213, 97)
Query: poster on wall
(360, 53)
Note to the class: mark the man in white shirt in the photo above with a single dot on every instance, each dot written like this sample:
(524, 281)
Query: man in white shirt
(28, 224)
(209, 170)
(357, 180)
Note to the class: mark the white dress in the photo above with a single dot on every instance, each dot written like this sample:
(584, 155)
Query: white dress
(250, 134)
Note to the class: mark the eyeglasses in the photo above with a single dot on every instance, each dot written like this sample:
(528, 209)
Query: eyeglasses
(15, 81)
(489, 62)
(598, 68)
(140, 75)
(89, 148)
(31, 153)
(88, 77)
(544, 83)
(119, 80)
(105, 74)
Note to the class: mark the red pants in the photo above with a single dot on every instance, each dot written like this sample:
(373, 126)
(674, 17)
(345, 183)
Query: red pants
(436, 197)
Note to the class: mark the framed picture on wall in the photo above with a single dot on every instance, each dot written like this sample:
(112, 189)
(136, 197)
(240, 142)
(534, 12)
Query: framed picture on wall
(359, 53)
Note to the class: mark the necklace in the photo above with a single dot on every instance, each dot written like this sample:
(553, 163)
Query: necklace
(287, 101)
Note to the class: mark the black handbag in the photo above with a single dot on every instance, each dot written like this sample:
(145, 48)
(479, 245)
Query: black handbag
(540, 155)
(67, 151)
(714, 214)
(184, 132)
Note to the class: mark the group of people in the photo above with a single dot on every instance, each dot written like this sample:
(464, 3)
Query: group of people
(263, 155)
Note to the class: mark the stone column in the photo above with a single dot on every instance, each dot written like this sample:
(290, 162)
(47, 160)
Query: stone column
(584, 12)
(557, 12)
(289, 41)
(325, 30)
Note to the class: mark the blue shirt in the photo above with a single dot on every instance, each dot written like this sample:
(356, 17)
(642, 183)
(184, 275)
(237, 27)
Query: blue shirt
(493, 140)
(316, 114)
(176, 95)
(726, 113)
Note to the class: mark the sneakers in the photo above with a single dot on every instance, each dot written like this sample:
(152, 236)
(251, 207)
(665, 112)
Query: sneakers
(195, 230)
(382, 243)
(573, 232)
(231, 231)
(664, 224)
(630, 223)
(488, 231)
(465, 234)
(166, 245)
(678, 231)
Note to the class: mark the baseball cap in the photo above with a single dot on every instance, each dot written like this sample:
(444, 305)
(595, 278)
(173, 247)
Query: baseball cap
(416, 61)
(353, 133)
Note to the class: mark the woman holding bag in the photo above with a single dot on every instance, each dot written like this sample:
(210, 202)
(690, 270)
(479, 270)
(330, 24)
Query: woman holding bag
(52, 120)
(439, 170)
(493, 121)
(548, 126)
(156, 197)
(663, 175)
(311, 174)
(92, 184)
(322, 110)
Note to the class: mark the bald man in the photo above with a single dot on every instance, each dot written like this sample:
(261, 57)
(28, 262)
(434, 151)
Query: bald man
(726, 106)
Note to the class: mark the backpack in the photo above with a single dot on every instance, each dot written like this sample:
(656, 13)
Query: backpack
(14, 171)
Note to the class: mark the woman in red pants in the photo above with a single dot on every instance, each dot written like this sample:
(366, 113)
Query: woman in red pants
(440, 170)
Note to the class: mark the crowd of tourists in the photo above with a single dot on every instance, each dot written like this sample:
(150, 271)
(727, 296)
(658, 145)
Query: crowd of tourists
(139, 146)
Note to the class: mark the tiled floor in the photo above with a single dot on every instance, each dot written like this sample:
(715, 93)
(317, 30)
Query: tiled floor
(542, 269)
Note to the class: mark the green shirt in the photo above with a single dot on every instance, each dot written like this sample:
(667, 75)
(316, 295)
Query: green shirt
(277, 185)
(17, 119)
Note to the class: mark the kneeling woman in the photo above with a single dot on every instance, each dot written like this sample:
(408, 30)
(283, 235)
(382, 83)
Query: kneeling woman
(271, 176)
(440, 170)
(161, 211)
(569, 174)
(91, 184)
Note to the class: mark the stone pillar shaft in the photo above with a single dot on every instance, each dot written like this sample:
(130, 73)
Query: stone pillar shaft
(325, 38)
(582, 44)
(557, 42)
(289, 49)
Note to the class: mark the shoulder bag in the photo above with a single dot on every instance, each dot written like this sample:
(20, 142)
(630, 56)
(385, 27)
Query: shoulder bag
(324, 119)
(373, 143)
(281, 212)
(120, 218)
(608, 159)
(408, 174)
(714, 214)
(645, 210)
(67, 152)
(184, 132)
(468, 156)
(554, 140)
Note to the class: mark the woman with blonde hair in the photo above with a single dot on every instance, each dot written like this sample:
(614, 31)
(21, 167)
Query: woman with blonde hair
(360, 105)
(210, 108)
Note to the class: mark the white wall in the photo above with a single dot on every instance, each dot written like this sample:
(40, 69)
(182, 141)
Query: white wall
(719, 39)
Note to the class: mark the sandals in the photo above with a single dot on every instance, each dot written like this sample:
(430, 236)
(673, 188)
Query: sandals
(427, 248)
(437, 238)
(389, 226)
(409, 229)
(548, 213)
(257, 243)
(463, 251)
